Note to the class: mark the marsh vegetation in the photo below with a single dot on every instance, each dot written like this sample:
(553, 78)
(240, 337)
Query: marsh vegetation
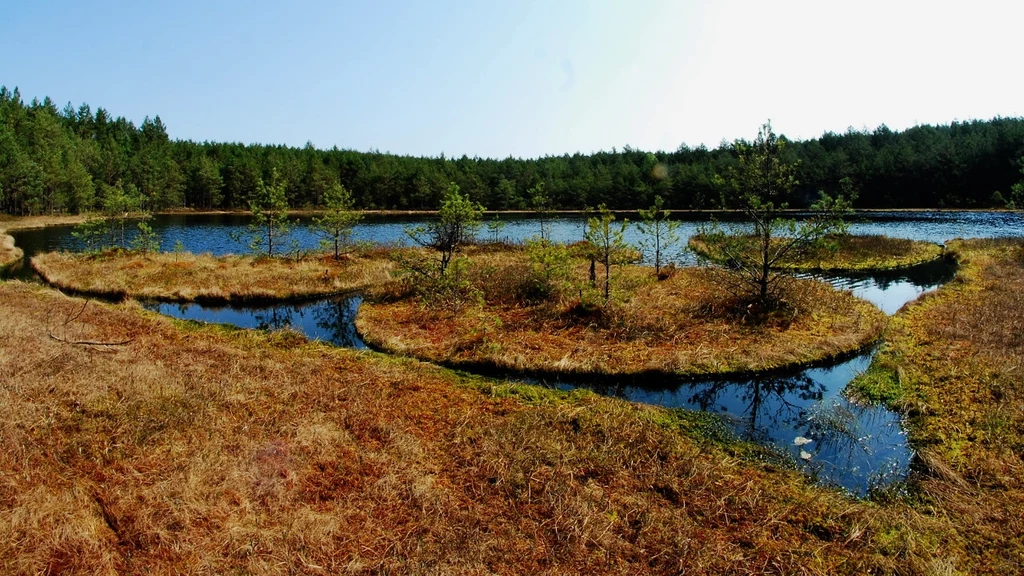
(239, 450)
(525, 317)
(189, 277)
(137, 443)
(515, 459)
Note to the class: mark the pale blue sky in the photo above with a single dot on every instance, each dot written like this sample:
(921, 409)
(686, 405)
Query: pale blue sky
(493, 79)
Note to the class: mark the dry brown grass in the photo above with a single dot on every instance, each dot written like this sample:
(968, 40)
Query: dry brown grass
(852, 253)
(682, 325)
(954, 361)
(189, 277)
(10, 254)
(27, 222)
(202, 450)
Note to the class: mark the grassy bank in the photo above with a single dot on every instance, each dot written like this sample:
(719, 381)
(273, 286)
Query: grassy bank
(29, 222)
(10, 255)
(191, 277)
(954, 361)
(683, 325)
(851, 253)
(137, 444)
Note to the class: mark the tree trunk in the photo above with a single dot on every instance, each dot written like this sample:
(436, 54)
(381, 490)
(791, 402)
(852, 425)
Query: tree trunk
(607, 279)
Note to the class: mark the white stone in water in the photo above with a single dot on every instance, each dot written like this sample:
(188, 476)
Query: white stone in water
(805, 455)
(801, 441)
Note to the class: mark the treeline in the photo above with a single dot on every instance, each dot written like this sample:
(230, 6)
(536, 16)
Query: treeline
(70, 160)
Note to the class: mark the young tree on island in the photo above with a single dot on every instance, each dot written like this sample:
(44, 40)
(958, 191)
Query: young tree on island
(494, 228)
(608, 242)
(541, 204)
(119, 204)
(269, 206)
(759, 187)
(336, 224)
(660, 233)
(457, 222)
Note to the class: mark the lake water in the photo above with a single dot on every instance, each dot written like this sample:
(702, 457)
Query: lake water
(850, 446)
(213, 233)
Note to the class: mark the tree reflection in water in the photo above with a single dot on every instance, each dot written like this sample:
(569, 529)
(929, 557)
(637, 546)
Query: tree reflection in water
(278, 317)
(329, 320)
(337, 318)
(849, 446)
(844, 444)
(759, 406)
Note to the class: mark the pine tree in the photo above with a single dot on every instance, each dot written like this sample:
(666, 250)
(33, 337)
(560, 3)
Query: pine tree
(336, 224)
(269, 206)
(659, 231)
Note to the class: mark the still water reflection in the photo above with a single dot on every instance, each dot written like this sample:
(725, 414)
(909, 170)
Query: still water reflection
(803, 413)
(329, 320)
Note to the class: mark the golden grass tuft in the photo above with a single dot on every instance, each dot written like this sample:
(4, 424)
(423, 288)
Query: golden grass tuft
(852, 253)
(190, 277)
(682, 325)
(10, 255)
(197, 449)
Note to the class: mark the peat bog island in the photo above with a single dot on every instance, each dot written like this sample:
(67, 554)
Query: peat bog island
(777, 356)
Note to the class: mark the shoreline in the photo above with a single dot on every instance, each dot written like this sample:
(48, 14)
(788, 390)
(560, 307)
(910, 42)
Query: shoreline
(15, 223)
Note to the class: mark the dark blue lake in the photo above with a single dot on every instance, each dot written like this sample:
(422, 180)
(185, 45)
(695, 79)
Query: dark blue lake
(213, 233)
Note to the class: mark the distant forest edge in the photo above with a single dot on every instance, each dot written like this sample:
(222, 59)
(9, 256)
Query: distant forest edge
(69, 160)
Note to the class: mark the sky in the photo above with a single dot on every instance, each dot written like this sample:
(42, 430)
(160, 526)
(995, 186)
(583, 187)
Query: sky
(495, 78)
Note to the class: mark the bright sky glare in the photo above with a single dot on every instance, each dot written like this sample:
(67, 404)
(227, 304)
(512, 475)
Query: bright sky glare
(528, 78)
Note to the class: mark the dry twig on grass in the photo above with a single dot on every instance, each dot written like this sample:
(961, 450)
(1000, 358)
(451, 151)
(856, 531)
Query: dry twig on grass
(72, 317)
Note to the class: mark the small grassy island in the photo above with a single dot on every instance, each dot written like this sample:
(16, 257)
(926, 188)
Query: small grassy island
(843, 253)
(685, 324)
(205, 278)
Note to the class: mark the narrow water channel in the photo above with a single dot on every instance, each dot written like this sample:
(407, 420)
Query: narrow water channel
(802, 414)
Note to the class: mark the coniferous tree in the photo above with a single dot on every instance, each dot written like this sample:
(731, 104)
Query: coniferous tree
(660, 232)
(269, 206)
(336, 224)
(760, 185)
(456, 224)
(49, 158)
(608, 241)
